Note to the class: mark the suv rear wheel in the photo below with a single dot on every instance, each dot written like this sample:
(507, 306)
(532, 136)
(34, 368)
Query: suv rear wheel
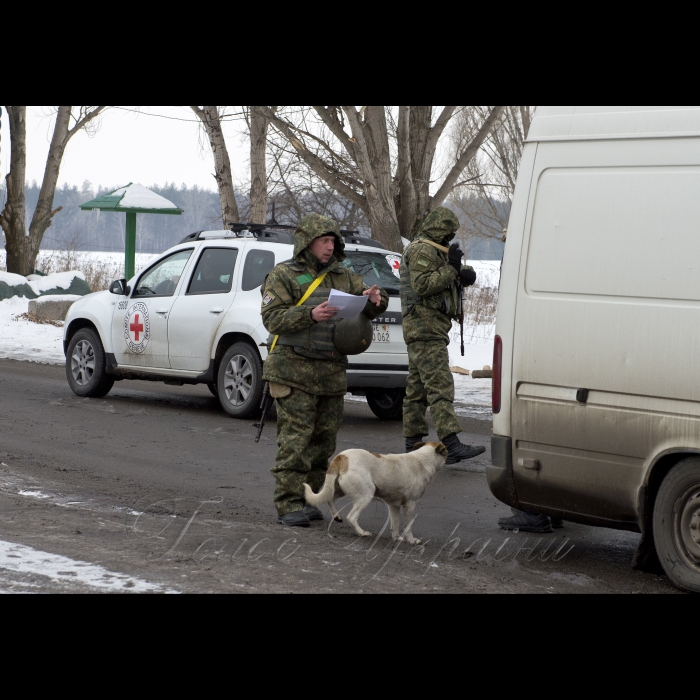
(85, 365)
(677, 524)
(239, 381)
(386, 404)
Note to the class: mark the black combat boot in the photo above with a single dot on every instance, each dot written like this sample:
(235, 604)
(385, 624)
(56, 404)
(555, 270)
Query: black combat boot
(524, 521)
(313, 513)
(457, 451)
(412, 442)
(296, 519)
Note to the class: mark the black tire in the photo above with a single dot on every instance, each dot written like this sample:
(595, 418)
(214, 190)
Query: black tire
(212, 387)
(239, 381)
(386, 404)
(677, 524)
(85, 365)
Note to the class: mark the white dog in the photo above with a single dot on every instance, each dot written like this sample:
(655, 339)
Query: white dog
(399, 480)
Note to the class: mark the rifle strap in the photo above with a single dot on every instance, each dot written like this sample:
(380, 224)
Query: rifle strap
(429, 242)
(309, 292)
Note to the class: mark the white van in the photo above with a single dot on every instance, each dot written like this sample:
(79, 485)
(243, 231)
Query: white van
(597, 356)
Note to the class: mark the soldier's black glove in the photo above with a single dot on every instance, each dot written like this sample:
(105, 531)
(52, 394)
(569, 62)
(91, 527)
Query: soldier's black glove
(454, 257)
(467, 276)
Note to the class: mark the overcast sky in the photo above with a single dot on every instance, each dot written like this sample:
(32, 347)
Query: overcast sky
(129, 147)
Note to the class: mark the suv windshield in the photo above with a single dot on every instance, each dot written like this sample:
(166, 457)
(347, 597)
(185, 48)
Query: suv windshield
(375, 268)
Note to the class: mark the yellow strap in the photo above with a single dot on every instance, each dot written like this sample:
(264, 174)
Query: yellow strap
(309, 292)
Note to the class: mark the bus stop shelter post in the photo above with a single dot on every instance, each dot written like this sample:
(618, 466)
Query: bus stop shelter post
(130, 245)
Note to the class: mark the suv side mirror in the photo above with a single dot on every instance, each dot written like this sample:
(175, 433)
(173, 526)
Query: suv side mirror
(119, 287)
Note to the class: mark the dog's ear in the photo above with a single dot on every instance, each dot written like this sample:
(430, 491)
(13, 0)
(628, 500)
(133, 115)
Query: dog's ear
(418, 445)
(441, 450)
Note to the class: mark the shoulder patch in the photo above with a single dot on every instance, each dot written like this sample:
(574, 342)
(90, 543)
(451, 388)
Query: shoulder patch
(304, 279)
(422, 262)
(268, 299)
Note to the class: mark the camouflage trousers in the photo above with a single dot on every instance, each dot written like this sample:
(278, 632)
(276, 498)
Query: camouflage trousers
(430, 383)
(307, 426)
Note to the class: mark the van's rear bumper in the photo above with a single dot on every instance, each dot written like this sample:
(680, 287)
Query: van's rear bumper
(499, 474)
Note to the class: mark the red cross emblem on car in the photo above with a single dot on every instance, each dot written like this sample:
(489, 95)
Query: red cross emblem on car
(136, 327)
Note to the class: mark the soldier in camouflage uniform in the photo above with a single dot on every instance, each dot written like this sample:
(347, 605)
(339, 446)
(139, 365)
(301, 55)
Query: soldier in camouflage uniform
(429, 302)
(305, 370)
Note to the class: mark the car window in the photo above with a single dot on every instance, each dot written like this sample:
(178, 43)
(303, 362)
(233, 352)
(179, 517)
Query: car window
(162, 278)
(375, 268)
(214, 271)
(258, 264)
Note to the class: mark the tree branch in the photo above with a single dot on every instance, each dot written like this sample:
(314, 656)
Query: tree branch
(313, 161)
(464, 159)
(80, 123)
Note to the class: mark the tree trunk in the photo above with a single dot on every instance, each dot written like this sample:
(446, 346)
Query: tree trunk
(22, 245)
(373, 157)
(13, 217)
(209, 117)
(258, 166)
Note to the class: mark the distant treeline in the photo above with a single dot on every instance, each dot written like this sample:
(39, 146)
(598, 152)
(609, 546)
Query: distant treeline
(74, 229)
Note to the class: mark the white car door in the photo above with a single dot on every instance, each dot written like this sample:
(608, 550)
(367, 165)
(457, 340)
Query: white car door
(140, 323)
(199, 309)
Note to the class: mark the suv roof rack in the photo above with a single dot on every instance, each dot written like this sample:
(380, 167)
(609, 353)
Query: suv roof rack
(274, 233)
(354, 237)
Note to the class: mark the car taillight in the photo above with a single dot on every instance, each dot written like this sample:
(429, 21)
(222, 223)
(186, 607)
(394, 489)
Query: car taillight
(497, 365)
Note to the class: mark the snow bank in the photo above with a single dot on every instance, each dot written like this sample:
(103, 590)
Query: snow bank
(72, 282)
(12, 280)
(56, 280)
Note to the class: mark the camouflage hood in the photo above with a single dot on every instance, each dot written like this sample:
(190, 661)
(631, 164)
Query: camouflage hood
(314, 226)
(440, 226)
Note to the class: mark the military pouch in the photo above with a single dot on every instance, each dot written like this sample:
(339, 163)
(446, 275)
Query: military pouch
(279, 391)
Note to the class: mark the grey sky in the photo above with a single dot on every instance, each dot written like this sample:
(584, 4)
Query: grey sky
(130, 147)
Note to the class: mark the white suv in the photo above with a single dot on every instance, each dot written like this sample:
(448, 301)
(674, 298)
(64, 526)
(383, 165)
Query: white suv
(193, 317)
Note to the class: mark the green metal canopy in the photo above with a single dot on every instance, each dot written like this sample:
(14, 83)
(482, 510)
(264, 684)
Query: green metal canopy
(131, 200)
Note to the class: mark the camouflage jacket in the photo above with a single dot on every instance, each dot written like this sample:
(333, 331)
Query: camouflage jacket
(293, 362)
(429, 299)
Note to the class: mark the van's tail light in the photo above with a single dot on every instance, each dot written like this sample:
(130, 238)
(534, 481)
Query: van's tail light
(497, 366)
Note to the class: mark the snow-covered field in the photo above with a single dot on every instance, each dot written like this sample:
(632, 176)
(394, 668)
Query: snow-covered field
(21, 339)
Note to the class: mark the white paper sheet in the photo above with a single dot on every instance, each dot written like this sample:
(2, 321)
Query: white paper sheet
(350, 305)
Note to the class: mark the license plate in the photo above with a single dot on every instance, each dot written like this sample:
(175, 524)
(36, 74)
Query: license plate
(380, 333)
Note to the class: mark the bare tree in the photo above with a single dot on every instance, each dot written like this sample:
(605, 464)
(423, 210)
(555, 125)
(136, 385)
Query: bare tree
(258, 125)
(22, 246)
(296, 191)
(484, 198)
(382, 164)
(211, 121)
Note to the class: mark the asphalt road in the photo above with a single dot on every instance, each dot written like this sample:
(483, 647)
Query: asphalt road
(154, 488)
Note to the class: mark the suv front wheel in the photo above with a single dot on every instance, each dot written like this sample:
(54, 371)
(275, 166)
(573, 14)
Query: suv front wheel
(85, 365)
(239, 381)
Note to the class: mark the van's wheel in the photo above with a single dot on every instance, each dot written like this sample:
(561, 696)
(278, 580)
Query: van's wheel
(86, 369)
(386, 404)
(677, 524)
(239, 381)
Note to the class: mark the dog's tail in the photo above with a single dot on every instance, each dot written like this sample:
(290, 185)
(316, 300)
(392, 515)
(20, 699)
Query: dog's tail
(325, 495)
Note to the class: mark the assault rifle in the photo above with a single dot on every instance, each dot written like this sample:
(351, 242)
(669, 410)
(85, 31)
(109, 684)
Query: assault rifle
(460, 294)
(265, 405)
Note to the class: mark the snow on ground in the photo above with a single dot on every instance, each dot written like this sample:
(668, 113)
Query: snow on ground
(24, 340)
(29, 563)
